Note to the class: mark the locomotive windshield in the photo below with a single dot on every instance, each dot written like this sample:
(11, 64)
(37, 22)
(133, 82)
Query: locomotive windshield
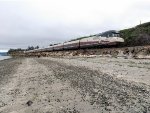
(111, 33)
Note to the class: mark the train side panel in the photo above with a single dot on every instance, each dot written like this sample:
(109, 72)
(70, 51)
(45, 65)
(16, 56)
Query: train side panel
(89, 42)
(107, 38)
(58, 47)
(50, 48)
(72, 45)
(111, 41)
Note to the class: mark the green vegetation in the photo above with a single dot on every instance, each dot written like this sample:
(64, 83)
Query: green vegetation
(11, 51)
(137, 36)
(19, 50)
(32, 48)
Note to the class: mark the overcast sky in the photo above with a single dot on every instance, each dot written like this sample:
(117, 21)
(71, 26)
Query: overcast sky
(42, 22)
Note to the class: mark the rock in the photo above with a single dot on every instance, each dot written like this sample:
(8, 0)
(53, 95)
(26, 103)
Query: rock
(29, 103)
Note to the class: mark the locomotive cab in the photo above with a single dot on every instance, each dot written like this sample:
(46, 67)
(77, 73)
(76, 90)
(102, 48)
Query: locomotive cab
(111, 33)
(111, 37)
(114, 36)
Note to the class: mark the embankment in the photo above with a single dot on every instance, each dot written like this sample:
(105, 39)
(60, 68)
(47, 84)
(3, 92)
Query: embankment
(127, 52)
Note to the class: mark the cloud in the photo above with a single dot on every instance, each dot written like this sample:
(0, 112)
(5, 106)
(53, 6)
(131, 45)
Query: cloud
(41, 22)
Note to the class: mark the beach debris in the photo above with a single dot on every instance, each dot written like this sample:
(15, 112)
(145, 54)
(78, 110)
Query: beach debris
(29, 103)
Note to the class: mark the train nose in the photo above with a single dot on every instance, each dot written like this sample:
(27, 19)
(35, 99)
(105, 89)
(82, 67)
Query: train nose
(119, 39)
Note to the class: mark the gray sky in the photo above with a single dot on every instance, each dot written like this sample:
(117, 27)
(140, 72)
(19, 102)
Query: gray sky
(41, 22)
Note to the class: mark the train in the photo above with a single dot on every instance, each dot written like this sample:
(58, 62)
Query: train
(108, 38)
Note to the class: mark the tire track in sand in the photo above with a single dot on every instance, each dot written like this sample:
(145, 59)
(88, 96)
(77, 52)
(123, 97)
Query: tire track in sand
(35, 89)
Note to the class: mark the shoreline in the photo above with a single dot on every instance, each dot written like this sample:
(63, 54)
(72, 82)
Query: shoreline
(4, 57)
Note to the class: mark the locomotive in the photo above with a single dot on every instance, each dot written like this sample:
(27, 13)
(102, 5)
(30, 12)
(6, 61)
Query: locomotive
(108, 38)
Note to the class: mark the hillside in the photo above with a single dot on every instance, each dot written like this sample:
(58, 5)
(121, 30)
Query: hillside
(137, 36)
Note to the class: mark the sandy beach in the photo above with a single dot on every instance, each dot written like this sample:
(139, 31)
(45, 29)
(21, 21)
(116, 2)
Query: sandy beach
(74, 85)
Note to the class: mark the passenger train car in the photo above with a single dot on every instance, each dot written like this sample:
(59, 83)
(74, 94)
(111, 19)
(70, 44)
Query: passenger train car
(108, 38)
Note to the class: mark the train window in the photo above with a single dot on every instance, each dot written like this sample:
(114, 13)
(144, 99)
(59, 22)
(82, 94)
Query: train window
(110, 35)
(115, 35)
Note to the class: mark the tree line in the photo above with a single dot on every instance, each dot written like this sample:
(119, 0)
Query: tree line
(22, 50)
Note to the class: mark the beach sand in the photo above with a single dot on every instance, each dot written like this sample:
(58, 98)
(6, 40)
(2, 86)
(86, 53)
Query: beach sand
(74, 85)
